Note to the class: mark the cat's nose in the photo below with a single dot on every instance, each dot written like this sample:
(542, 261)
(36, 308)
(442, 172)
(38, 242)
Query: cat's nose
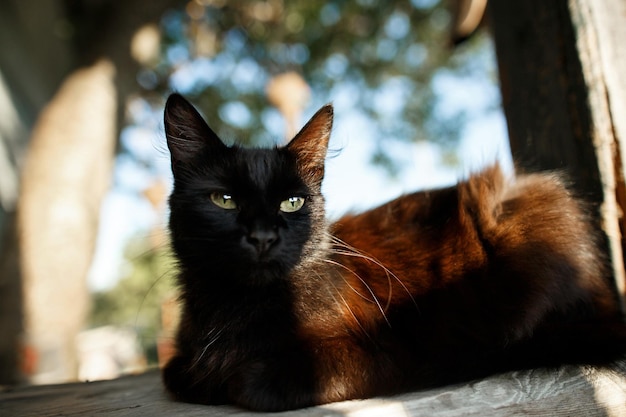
(262, 239)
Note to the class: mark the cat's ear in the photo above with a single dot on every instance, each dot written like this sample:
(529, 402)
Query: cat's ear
(187, 132)
(311, 143)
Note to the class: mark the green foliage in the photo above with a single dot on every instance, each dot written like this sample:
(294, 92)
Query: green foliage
(136, 299)
(381, 57)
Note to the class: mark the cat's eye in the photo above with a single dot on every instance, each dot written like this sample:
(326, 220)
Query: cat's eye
(291, 204)
(224, 201)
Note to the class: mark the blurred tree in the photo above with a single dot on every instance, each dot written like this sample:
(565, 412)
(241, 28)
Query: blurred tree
(380, 56)
(24, 89)
(72, 60)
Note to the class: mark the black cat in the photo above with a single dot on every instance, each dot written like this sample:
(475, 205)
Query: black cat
(282, 310)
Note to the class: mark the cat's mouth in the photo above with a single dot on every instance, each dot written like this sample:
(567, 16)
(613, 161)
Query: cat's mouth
(258, 259)
(266, 270)
(268, 263)
(265, 260)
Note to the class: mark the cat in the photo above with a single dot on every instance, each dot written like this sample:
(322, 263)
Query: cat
(282, 310)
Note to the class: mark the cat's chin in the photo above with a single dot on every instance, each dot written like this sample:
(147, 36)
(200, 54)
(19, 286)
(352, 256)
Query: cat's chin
(267, 271)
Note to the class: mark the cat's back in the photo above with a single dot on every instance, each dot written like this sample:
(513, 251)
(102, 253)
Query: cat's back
(488, 225)
(488, 206)
(488, 197)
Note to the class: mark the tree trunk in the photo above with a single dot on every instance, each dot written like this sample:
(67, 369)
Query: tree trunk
(10, 304)
(555, 76)
(84, 46)
(33, 61)
(66, 174)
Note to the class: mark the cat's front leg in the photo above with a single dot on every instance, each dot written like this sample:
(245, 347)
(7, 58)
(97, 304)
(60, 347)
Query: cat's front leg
(186, 384)
(276, 383)
(331, 370)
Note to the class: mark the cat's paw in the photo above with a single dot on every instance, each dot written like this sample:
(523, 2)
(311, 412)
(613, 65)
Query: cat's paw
(175, 376)
(267, 388)
(186, 385)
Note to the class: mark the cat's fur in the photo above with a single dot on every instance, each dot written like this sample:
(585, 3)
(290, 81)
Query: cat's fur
(431, 288)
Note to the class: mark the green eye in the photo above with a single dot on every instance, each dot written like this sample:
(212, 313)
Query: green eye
(224, 201)
(292, 204)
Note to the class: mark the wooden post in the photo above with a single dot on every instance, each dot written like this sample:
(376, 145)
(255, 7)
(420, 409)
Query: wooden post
(560, 64)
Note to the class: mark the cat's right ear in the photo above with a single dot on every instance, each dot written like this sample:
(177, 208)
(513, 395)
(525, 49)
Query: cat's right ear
(186, 131)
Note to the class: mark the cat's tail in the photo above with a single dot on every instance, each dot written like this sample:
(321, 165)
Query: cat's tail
(503, 206)
(482, 195)
(543, 250)
(540, 238)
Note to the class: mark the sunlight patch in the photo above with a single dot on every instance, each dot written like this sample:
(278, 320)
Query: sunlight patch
(369, 408)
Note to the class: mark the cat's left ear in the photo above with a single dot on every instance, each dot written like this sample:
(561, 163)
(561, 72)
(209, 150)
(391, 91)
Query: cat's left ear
(311, 144)
(187, 132)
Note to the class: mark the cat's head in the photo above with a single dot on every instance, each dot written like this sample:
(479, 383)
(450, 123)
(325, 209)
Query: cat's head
(240, 213)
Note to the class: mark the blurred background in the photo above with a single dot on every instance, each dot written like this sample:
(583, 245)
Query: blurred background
(84, 169)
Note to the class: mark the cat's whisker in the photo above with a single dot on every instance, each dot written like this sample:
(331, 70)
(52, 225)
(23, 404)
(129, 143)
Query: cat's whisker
(387, 272)
(349, 309)
(214, 338)
(356, 319)
(352, 251)
(168, 273)
(328, 261)
(369, 289)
